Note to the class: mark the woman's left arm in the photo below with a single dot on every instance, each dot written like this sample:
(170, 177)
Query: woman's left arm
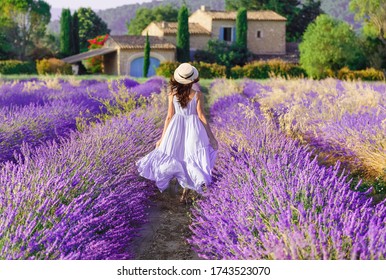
(168, 117)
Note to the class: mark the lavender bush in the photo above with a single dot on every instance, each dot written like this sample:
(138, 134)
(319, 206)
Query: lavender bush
(34, 124)
(272, 200)
(82, 199)
(344, 120)
(41, 110)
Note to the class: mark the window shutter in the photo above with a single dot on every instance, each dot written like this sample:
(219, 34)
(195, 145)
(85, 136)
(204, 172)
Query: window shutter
(234, 34)
(221, 34)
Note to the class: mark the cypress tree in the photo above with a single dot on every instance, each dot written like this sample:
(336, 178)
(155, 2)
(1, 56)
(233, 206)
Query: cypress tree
(146, 57)
(183, 41)
(75, 33)
(65, 32)
(241, 28)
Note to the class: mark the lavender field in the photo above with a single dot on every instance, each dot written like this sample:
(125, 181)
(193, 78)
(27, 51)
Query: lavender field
(300, 174)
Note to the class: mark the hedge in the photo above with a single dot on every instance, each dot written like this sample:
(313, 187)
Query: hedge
(206, 70)
(369, 74)
(10, 67)
(264, 69)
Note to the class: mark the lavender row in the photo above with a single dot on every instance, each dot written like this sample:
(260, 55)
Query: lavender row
(345, 120)
(45, 113)
(25, 92)
(80, 199)
(272, 200)
(35, 124)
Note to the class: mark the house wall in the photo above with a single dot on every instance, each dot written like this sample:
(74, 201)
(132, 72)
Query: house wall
(110, 43)
(197, 42)
(153, 30)
(201, 18)
(128, 55)
(272, 39)
(217, 24)
(110, 63)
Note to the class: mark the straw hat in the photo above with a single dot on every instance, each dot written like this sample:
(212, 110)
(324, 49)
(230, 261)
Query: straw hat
(185, 73)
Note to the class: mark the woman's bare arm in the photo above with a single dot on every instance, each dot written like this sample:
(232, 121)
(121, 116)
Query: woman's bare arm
(201, 115)
(168, 117)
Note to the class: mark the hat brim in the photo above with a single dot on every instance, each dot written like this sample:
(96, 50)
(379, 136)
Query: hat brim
(186, 81)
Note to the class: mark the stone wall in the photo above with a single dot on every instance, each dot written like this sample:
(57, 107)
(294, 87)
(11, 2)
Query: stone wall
(272, 39)
(128, 55)
(202, 18)
(153, 30)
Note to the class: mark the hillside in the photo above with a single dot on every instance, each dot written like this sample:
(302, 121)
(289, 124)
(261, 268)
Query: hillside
(116, 18)
(340, 10)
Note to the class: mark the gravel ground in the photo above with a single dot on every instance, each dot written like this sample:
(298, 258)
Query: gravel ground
(164, 236)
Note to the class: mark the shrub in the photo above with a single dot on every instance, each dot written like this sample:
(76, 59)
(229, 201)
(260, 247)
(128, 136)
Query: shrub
(329, 44)
(206, 70)
(166, 69)
(264, 69)
(53, 66)
(210, 70)
(369, 74)
(237, 72)
(9, 67)
(203, 55)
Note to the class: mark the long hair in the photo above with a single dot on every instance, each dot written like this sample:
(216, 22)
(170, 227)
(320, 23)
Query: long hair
(181, 91)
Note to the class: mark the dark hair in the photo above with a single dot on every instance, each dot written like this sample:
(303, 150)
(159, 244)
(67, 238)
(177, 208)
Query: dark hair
(181, 91)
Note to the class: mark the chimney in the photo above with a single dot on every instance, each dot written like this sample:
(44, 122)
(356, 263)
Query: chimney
(204, 8)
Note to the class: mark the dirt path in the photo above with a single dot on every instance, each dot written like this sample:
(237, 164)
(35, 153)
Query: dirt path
(164, 236)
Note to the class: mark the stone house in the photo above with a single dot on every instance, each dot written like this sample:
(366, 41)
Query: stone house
(266, 30)
(124, 54)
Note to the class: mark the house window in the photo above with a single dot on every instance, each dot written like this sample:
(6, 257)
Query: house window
(227, 34)
(259, 34)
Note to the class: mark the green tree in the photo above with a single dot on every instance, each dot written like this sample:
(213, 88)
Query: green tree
(328, 45)
(234, 5)
(6, 50)
(90, 26)
(183, 36)
(373, 12)
(26, 23)
(145, 16)
(309, 12)
(241, 28)
(75, 49)
(66, 34)
(146, 57)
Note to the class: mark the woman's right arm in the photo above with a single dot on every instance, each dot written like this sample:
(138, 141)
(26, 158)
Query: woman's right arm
(168, 117)
(201, 115)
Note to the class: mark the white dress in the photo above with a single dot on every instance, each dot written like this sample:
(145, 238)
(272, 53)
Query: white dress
(184, 153)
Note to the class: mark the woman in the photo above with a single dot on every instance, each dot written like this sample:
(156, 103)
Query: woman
(187, 148)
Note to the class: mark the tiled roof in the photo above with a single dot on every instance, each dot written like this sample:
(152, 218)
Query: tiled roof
(138, 42)
(251, 15)
(171, 28)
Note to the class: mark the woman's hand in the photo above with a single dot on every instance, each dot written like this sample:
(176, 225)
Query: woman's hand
(213, 142)
(158, 143)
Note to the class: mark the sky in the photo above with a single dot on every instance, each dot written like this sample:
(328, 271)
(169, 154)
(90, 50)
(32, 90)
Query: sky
(94, 4)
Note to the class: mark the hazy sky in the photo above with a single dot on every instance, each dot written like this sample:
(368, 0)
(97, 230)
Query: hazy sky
(94, 4)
